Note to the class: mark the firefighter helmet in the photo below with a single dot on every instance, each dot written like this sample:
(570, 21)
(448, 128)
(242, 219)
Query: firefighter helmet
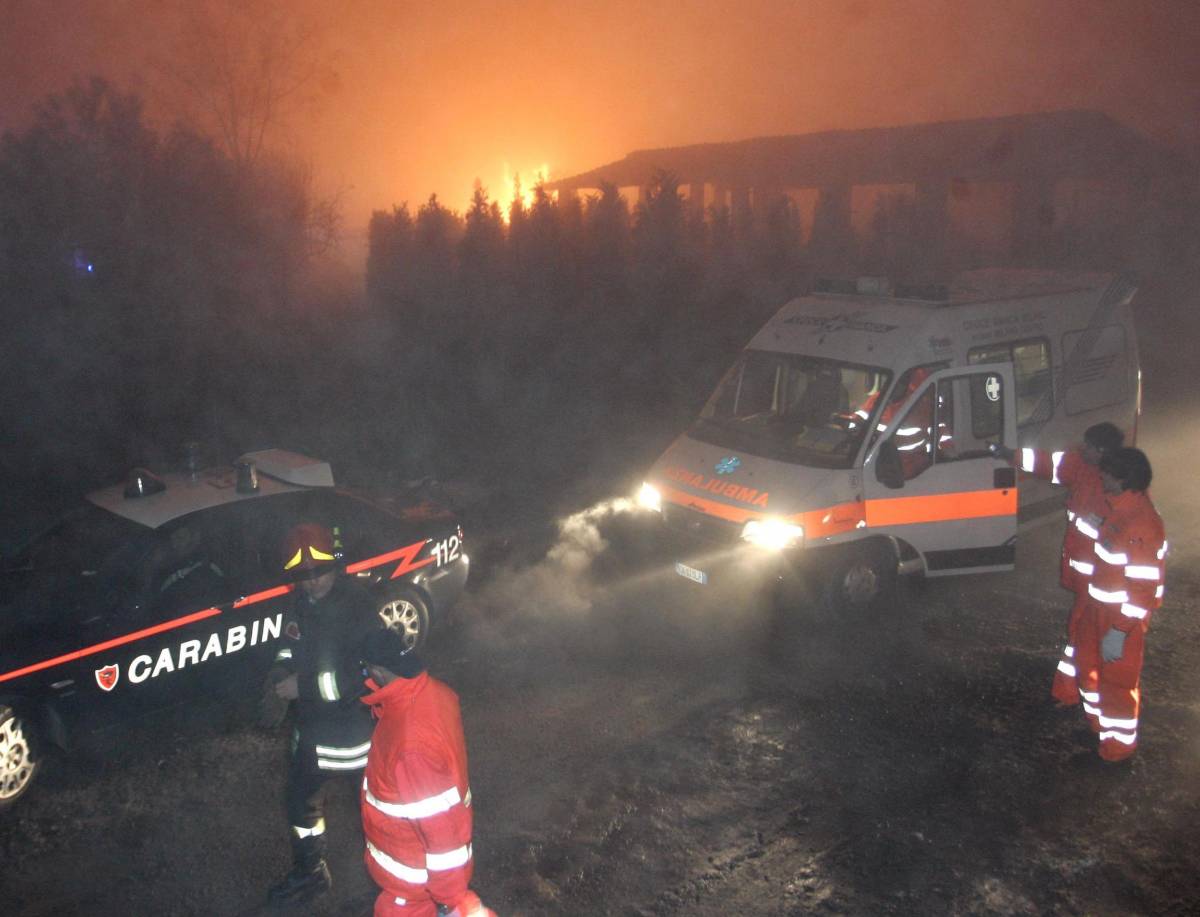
(308, 551)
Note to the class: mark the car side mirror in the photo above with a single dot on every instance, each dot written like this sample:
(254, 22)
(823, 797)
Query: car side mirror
(888, 470)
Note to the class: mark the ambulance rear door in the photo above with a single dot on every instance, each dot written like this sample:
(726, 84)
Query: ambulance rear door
(931, 479)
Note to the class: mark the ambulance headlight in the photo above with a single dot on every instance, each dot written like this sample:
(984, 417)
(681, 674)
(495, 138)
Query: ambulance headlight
(649, 498)
(774, 534)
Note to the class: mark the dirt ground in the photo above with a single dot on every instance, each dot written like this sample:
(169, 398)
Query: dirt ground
(640, 746)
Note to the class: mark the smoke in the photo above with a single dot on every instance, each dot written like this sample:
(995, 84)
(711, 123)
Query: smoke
(559, 585)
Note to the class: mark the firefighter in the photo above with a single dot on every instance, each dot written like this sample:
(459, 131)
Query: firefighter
(1123, 593)
(317, 668)
(416, 798)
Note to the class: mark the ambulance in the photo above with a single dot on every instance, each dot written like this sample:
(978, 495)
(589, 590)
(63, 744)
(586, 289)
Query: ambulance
(857, 436)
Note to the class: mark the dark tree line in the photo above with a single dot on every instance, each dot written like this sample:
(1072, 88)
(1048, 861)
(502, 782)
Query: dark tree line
(571, 313)
(143, 276)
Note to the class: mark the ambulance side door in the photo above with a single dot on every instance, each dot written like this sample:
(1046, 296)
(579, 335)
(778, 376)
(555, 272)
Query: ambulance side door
(931, 479)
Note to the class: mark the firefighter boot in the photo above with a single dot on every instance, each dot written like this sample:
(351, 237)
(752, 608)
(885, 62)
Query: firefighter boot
(308, 878)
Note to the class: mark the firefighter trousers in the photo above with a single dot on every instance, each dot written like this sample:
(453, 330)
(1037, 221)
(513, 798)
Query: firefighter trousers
(304, 800)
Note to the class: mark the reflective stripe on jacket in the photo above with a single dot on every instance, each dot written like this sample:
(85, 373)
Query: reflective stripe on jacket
(1130, 552)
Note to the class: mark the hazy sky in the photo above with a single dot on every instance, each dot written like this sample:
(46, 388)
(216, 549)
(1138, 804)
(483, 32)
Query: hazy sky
(430, 96)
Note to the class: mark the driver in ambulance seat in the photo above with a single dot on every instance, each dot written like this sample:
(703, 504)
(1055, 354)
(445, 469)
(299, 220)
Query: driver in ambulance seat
(913, 439)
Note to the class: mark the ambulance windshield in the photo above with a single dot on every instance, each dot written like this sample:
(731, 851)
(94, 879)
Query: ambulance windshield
(793, 408)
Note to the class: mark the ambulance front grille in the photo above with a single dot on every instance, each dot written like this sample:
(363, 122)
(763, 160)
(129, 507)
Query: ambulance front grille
(700, 526)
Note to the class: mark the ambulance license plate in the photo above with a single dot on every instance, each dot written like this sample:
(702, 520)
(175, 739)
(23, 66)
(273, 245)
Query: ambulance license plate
(696, 576)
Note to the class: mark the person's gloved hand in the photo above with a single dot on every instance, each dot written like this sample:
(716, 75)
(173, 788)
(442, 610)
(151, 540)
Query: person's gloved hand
(1113, 645)
(470, 906)
(272, 707)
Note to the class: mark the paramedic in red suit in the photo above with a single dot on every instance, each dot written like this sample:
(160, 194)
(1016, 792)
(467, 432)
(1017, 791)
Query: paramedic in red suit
(914, 439)
(1077, 469)
(416, 798)
(1123, 594)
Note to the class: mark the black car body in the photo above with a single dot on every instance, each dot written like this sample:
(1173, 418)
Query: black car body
(168, 589)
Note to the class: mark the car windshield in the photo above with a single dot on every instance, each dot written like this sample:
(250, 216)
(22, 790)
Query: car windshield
(88, 542)
(793, 408)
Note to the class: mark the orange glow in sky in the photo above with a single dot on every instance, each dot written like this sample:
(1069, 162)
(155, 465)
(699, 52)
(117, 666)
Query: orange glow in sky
(428, 98)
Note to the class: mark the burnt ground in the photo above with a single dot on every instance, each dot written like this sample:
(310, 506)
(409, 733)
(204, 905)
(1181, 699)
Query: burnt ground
(641, 746)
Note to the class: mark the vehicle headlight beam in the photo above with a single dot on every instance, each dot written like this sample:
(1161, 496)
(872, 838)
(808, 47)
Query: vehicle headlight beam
(773, 534)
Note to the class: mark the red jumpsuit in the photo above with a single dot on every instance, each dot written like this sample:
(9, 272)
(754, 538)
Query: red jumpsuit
(1124, 592)
(416, 800)
(1085, 506)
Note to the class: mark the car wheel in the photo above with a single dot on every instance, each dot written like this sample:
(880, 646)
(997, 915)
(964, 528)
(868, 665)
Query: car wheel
(18, 758)
(404, 612)
(860, 579)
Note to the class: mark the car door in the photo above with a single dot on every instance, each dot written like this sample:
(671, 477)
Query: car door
(169, 624)
(237, 646)
(932, 479)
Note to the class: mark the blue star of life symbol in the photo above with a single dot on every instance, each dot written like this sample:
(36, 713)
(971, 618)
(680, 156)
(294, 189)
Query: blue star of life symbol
(992, 388)
(728, 465)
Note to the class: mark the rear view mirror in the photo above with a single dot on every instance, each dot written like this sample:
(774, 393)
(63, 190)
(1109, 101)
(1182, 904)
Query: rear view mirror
(888, 470)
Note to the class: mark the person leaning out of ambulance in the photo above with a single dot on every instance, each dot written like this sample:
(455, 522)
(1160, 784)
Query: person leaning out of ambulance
(317, 667)
(1078, 470)
(416, 796)
(1124, 591)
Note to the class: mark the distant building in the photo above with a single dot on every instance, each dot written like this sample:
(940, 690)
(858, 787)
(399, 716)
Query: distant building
(1065, 186)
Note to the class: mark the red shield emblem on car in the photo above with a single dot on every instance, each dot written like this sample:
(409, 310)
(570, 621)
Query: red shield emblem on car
(108, 677)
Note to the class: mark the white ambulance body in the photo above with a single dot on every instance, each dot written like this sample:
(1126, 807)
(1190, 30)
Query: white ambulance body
(854, 435)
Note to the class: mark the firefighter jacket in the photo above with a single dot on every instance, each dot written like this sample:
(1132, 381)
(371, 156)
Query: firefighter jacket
(320, 645)
(1130, 563)
(416, 799)
(1086, 506)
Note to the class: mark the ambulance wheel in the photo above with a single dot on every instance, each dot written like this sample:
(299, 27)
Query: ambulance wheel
(860, 579)
(406, 613)
(19, 762)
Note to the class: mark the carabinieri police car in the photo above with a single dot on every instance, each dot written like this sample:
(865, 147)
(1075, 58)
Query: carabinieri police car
(170, 588)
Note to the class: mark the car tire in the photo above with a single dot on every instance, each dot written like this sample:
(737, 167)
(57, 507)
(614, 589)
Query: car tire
(860, 579)
(19, 761)
(405, 612)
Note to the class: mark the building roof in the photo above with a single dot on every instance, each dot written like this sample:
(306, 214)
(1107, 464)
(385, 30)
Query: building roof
(1050, 145)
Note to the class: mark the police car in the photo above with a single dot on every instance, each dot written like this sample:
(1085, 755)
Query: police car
(166, 589)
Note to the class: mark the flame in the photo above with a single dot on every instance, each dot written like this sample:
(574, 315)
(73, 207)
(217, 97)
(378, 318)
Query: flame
(528, 181)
